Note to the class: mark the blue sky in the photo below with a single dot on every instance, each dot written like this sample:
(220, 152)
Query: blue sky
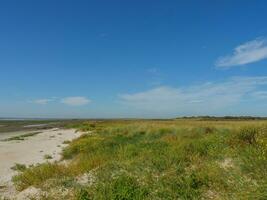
(149, 58)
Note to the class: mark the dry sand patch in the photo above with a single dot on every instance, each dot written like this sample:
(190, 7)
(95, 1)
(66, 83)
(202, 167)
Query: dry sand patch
(31, 150)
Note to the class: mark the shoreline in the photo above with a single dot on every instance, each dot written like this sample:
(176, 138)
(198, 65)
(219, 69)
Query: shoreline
(30, 151)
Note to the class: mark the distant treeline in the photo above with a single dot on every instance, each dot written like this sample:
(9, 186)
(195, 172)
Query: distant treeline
(223, 118)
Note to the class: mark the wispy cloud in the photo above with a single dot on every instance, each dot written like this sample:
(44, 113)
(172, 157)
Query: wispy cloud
(260, 95)
(75, 101)
(41, 101)
(202, 98)
(246, 53)
(71, 101)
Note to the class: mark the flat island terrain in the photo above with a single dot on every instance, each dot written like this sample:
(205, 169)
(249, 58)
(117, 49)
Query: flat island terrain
(192, 158)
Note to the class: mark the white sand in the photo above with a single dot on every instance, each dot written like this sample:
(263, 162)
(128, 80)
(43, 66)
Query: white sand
(32, 150)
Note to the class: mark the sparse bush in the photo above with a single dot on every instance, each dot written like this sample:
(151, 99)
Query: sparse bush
(47, 157)
(19, 167)
(83, 126)
(36, 175)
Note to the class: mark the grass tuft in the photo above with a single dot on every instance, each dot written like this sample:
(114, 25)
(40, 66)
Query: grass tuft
(19, 167)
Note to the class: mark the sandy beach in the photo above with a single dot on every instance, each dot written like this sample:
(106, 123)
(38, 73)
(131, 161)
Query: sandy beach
(31, 150)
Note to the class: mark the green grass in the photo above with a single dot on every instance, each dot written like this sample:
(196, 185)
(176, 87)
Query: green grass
(176, 159)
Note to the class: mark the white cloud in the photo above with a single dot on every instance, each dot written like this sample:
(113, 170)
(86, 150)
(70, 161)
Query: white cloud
(75, 101)
(248, 52)
(41, 101)
(201, 98)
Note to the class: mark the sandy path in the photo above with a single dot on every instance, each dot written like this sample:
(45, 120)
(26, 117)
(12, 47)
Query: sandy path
(32, 150)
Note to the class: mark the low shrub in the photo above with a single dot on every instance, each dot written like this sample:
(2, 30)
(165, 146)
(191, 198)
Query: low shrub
(19, 167)
(36, 175)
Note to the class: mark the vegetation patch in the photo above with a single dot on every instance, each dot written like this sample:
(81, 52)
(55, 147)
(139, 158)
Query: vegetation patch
(19, 167)
(148, 159)
(47, 157)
